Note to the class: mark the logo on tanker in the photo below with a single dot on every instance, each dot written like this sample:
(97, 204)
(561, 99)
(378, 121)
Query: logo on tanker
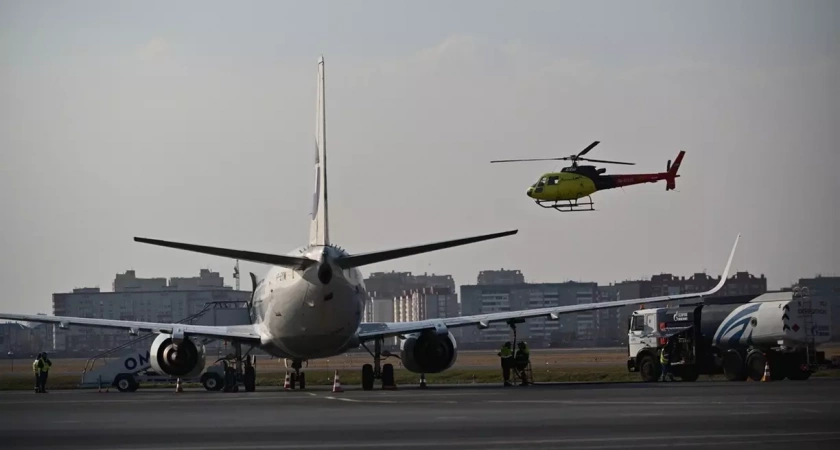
(680, 316)
(132, 363)
(735, 325)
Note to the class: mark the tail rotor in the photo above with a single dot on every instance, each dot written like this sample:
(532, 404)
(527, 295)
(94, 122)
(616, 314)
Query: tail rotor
(671, 172)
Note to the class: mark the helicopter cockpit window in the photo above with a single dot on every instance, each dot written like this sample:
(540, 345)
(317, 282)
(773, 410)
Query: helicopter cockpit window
(553, 180)
(542, 182)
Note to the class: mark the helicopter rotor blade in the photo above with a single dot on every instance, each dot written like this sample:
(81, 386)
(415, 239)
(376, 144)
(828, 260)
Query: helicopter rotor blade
(607, 162)
(588, 148)
(533, 159)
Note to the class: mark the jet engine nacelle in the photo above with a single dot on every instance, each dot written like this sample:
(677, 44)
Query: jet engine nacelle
(183, 360)
(428, 352)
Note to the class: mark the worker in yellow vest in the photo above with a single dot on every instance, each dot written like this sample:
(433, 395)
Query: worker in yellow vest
(665, 362)
(45, 371)
(506, 355)
(36, 370)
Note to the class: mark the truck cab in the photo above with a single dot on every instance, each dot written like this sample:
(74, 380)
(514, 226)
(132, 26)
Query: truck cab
(649, 330)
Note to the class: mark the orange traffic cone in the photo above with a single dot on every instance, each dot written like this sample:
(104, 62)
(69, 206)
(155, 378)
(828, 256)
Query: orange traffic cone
(178, 387)
(287, 384)
(766, 376)
(337, 383)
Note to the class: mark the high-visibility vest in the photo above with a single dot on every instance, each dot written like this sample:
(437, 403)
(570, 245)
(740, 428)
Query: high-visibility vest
(35, 365)
(506, 352)
(47, 365)
(663, 357)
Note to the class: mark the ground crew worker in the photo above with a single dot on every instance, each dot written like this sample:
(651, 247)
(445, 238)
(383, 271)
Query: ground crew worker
(665, 362)
(250, 375)
(506, 356)
(45, 371)
(36, 369)
(522, 358)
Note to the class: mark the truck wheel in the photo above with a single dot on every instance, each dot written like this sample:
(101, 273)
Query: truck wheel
(755, 365)
(733, 366)
(124, 382)
(689, 374)
(649, 370)
(213, 382)
(798, 374)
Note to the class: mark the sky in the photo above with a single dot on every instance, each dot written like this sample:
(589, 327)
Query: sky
(194, 121)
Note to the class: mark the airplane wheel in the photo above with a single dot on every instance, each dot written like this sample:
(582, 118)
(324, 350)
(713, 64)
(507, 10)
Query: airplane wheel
(367, 377)
(124, 383)
(302, 380)
(388, 375)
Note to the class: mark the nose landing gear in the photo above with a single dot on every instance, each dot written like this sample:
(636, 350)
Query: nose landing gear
(297, 377)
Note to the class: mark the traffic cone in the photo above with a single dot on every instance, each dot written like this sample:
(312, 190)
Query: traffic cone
(766, 376)
(422, 380)
(178, 387)
(337, 383)
(287, 384)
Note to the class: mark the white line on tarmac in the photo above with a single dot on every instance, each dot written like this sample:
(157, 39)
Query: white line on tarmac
(617, 442)
(680, 403)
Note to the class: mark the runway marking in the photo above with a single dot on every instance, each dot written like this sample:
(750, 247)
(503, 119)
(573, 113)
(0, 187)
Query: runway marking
(680, 403)
(701, 440)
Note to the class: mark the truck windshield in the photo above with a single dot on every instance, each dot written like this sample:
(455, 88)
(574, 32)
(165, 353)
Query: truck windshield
(637, 323)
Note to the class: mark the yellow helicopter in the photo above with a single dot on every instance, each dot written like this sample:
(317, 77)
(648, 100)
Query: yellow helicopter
(563, 190)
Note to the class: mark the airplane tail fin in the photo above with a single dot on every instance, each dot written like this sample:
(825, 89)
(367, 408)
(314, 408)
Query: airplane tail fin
(671, 173)
(347, 262)
(319, 226)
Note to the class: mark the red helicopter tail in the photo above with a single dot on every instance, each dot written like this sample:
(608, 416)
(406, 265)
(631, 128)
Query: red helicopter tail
(671, 174)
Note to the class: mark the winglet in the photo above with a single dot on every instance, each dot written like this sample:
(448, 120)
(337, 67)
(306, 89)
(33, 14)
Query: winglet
(725, 273)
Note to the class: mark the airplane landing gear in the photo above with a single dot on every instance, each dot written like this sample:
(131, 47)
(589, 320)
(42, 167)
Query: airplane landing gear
(238, 369)
(377, 371)
(568, 205)
(297, 377)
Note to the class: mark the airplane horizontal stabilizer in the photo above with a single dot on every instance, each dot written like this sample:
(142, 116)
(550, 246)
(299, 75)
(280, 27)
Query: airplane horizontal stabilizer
(292, 262)
(347, 262)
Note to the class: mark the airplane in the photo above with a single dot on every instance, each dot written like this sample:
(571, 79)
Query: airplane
(563, 190)
(309, 304)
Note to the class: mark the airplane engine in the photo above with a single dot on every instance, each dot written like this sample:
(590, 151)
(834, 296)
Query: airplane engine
(428, 352)
(182, 360)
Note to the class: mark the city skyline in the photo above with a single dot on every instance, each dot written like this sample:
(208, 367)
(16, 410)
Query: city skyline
(245, 284)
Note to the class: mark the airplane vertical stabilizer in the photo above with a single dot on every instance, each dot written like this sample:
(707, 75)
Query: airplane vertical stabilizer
(319, 228)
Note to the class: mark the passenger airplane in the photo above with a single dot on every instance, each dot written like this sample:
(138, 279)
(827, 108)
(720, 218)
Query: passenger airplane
(310, 303)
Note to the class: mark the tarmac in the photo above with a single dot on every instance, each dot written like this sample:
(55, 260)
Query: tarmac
(720, 415)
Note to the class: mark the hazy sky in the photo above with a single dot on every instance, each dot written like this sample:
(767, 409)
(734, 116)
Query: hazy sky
(194, 121)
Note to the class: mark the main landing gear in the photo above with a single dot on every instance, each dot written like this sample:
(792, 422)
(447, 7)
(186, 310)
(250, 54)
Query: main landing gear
(568, 205)
(374, 372)
(238, 369)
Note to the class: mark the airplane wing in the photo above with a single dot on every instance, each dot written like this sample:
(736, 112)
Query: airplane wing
(369, 331)
(236, 332)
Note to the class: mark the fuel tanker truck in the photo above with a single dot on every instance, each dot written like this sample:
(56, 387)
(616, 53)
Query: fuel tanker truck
(738, 337)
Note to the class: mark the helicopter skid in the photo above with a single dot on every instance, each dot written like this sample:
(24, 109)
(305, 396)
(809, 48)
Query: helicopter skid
(568, 205)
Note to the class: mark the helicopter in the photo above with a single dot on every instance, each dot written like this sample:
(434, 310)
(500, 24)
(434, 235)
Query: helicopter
(565, 190)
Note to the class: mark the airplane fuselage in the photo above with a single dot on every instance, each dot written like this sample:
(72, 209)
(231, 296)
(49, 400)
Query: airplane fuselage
(302, 317)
